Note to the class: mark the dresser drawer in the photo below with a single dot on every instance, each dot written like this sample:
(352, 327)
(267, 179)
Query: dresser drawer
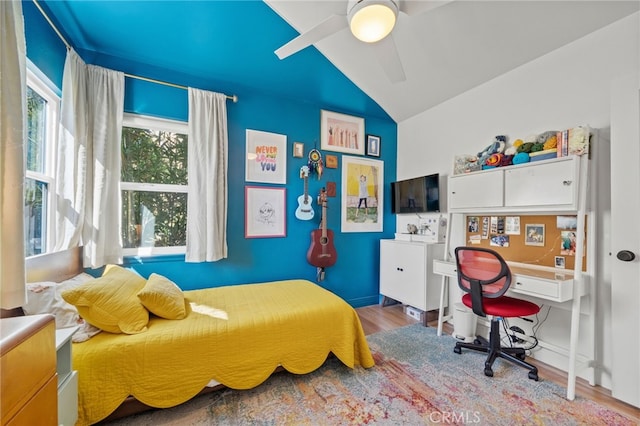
(41, 409)
(28, 361)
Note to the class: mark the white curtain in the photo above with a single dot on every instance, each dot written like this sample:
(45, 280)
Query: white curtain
(88, 168)
(13, 88)
(207, 196)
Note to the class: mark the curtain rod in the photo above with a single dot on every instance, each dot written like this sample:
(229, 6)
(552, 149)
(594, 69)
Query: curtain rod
(234, 98)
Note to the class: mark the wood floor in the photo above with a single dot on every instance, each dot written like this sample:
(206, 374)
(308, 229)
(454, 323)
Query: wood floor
(376, 318)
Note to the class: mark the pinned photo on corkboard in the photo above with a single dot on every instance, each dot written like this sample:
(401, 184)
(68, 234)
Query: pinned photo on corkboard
(568, 245)
(534, 235)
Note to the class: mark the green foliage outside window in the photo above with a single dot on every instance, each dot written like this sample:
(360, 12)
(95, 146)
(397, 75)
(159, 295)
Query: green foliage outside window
(153, 219)
(34, 190)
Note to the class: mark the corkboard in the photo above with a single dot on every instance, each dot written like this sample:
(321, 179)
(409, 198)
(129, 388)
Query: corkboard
(519, 247)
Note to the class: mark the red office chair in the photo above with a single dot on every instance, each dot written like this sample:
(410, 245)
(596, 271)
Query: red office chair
(485, 277)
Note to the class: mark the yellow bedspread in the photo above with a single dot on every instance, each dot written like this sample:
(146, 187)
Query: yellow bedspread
(236, 335)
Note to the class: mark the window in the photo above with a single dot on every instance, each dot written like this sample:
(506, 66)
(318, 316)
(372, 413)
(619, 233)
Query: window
(154, 185)
(42, 122)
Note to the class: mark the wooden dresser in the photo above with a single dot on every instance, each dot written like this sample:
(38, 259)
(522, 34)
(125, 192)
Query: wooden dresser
(29, 385)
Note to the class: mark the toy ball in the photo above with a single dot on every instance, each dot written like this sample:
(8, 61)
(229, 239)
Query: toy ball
(518, 142)
(521, 157)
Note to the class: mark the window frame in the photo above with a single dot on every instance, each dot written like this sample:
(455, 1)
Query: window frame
(148, 122)
(42, 87)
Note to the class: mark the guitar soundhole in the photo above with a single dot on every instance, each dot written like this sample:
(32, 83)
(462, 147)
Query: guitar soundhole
(324, 240)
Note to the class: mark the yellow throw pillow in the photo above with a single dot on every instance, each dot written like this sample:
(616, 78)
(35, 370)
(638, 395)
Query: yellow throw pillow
(163, 297)
(110, 302)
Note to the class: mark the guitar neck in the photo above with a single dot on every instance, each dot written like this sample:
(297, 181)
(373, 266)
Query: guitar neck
(324, 220)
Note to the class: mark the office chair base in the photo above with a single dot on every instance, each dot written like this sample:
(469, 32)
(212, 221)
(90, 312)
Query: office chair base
(494, 350)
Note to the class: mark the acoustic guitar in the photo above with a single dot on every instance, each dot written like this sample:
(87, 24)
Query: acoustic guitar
(305, 210)
(322, 252)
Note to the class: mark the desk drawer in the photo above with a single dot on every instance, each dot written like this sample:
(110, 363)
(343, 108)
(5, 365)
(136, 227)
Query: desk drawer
(536, 287)
(441, 267)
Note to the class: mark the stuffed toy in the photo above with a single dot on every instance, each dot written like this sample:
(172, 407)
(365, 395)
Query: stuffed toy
(506, 160)
(496, 147)
(521, 157)
(513, 149)
(525, 147)
(537, 147)
(550, 143)
(545, 136)
(493, 161)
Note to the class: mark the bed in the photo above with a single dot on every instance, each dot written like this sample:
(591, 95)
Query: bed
(236, 336)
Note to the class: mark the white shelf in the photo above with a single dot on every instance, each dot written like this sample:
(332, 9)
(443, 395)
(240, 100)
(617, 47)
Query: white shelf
(67, 378)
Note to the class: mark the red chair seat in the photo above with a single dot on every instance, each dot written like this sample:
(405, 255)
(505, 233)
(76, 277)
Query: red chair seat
(505, 306)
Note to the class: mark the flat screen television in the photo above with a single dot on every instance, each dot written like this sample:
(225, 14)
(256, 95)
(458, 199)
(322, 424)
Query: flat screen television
(417, 195)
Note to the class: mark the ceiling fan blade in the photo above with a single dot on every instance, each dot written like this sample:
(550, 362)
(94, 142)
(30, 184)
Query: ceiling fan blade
(329, 26)
(388, 56)
(416, 7)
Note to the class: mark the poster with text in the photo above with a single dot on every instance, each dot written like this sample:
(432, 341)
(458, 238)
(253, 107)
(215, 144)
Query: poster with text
(266, 157)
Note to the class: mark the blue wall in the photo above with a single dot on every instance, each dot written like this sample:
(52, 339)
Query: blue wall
(355, 275)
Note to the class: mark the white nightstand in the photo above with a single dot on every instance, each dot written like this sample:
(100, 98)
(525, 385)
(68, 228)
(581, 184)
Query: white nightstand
(67, 378)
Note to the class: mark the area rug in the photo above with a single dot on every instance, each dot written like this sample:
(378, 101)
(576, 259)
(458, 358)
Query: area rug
(417, 380)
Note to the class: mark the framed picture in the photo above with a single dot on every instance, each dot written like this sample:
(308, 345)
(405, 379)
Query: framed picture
(534, 235)
(373, 145)
(266, 158)
(298, 149)
(362, 194)
(265, 213)
(331, 161)
(341, 132)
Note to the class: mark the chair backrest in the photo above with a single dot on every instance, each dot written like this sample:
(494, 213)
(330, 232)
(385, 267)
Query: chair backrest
(483, 273)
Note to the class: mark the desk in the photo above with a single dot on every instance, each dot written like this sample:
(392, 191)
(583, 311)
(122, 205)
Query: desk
(531, 281)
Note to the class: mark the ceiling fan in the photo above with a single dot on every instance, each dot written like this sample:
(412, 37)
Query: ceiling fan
(370, 21)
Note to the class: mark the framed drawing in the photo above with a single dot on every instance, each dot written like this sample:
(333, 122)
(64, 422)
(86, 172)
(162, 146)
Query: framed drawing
(534, 235)
(298, 149)
(373, 145)
(266, 158)
(265, 213)
(362, 194)
(341, 132)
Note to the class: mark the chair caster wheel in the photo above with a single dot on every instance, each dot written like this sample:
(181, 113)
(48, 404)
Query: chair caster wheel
(477, 342)
(521, 356)
(532, 375)
(457, 350)
(488, 372)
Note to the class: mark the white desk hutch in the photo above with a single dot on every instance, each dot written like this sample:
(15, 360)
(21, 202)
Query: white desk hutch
(556, 187)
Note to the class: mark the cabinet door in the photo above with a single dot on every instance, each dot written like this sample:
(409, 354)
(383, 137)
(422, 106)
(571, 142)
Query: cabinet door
(546, 184)
(476, 190)
(402, 272)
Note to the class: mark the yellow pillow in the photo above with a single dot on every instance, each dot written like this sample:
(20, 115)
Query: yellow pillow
(163, 297)
(110, 302)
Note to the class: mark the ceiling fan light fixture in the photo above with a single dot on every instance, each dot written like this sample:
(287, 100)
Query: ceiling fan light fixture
(372, 20)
